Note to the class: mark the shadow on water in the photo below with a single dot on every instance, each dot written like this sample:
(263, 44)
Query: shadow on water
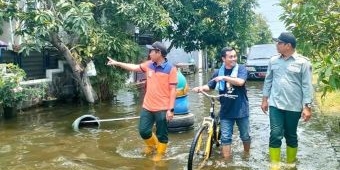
(42, 138)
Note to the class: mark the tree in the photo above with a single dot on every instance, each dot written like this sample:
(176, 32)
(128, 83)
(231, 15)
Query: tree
(260, 31)
(315, 23)
(71, 28)
(84, 30)
(197, 24)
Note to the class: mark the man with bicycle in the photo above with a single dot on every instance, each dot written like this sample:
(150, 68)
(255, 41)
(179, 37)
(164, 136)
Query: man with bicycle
(231, 79)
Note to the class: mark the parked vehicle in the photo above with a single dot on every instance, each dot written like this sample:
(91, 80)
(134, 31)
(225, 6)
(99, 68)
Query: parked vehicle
(257, 60)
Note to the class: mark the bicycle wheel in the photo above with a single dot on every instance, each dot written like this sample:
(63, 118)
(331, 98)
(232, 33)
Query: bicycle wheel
(198, 153)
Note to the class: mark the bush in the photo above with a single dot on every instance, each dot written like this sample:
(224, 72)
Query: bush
(10, 90)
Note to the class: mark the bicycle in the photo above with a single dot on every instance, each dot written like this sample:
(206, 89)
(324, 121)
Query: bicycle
(207, 135)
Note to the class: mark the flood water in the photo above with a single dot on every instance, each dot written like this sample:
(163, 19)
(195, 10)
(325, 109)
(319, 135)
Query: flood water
(43, 138)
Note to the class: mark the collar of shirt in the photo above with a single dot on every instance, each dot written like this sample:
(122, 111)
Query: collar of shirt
(294, 56)
(162, 65)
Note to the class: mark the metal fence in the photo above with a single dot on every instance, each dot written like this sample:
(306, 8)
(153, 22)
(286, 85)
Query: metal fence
(35, 64)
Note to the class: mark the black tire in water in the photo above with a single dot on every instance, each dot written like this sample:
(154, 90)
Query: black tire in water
(196, 154)
(183, 120)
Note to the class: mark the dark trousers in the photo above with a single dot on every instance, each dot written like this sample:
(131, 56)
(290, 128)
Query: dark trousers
(146, 122)
(283, 123)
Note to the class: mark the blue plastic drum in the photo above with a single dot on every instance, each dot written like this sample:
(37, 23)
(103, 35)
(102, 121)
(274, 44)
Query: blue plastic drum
(182, 82)
(182, 86)
(181, 105)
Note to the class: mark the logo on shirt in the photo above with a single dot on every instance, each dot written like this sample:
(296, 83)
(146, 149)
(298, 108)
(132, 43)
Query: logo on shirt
(230, 88)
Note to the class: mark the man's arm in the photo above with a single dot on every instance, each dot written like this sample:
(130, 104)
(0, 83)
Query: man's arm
(264, 104)
(307, 86)
(307, 90)
(201, 88)
(126, 66)
(172, 97)
(232, 80)
(172, 87)
(267, 85)
(240, 80)
(169, 112)
(210, 85)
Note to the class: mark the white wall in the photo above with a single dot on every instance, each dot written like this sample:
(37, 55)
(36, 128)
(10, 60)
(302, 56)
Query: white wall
(6, 34)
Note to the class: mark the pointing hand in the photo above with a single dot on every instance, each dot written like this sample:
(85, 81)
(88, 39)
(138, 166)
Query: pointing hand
(111, 62)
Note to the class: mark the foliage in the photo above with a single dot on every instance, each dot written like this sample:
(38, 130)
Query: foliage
(48, 90)
(240, 20)
(197, 24)
(1, 16)
(315, 23)
(10, 90)
(81, 25)
(260, 33)
(103, 84)
(93, 30)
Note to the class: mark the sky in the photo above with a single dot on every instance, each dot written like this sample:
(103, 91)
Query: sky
(271, 12)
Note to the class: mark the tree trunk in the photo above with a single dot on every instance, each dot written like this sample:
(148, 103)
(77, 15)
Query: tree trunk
(77, 69)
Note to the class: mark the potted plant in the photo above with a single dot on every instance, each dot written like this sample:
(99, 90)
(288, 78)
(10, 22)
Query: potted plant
(10, 90)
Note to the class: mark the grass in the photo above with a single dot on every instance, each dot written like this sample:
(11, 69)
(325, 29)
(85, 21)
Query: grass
(330, 104)
(329, 109)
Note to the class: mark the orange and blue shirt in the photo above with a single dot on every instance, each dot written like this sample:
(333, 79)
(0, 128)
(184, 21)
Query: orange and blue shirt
(159, 80)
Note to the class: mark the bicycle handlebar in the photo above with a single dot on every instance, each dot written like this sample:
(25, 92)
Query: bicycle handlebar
(220, 95)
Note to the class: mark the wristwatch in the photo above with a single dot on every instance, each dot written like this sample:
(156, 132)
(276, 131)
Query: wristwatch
(308, 105)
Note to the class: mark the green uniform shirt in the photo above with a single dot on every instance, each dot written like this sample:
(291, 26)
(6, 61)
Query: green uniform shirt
(288, 83)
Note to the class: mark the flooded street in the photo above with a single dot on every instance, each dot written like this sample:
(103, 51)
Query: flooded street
(43, 138)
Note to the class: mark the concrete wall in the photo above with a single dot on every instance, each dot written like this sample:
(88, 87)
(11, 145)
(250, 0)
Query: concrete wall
(7, 35)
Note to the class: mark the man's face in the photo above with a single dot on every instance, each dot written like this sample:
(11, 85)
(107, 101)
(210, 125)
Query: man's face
(155, 55)
(230, 58)
(281, 47)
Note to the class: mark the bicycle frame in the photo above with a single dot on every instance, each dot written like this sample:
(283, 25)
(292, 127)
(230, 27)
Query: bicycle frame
(210, 123)
(209, 127)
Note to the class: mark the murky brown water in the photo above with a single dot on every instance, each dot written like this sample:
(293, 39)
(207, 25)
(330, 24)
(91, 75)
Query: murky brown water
(43, 138)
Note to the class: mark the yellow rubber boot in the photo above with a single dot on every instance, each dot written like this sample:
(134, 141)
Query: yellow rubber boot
(291, 156)
(274, 155)
(151, 144)
(161, 149)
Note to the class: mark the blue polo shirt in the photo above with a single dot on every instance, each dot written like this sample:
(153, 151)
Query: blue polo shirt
(233, 108)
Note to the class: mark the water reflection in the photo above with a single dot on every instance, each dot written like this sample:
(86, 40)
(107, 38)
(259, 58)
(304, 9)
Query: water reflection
(42, 138)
